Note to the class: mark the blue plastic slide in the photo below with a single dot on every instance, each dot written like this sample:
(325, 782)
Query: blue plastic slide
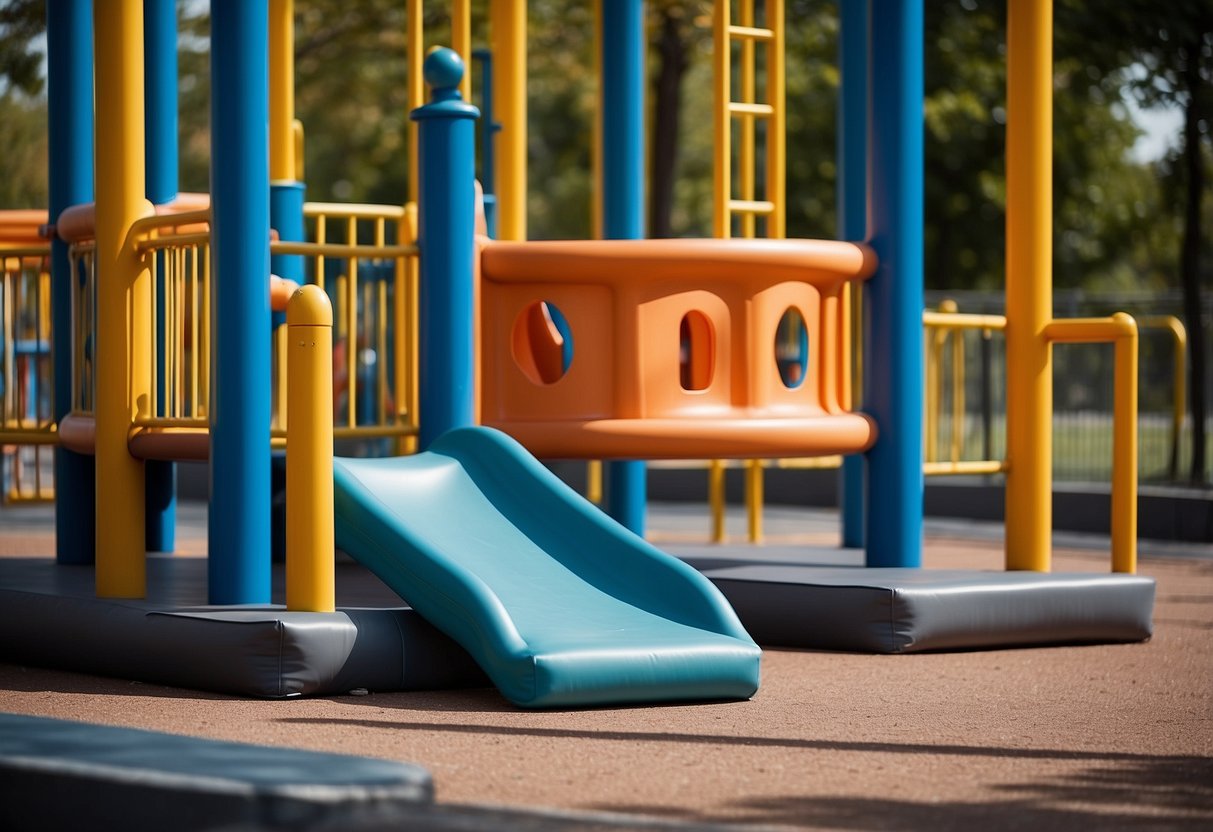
(558, 603)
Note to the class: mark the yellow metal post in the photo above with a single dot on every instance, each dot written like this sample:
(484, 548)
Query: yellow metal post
(461, 41)
(123, 364)
(508, 36)
(416, 84)
(776, 173)
(1029, 283)
(1124, 448)
(722, 167)
(309, 453)
(282, 90)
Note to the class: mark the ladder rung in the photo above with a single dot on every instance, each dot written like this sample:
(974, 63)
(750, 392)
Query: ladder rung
(751, 206)
(740, 108)
(750, 33)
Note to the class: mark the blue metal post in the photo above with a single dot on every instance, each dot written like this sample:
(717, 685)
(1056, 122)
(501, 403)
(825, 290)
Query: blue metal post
(445, 205)
(893, 368)
(852, 151)
(239, 528)
(160, 154)
(69, 59)
(623, 49)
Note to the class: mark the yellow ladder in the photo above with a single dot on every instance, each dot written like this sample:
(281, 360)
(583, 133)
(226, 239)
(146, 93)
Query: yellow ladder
(745, 205)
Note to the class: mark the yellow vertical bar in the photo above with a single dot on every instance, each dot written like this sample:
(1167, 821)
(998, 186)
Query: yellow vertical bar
(777, 124)
(461, 42)
(282, 90)
(297, 136)
(384, 415)
(409, 325)
(721, 122)
(1029, 284)
(282, 388)
(204, 336)
(1124, 451)
(309, 453)
(716, 499)
(596, 149)
(322, 237)
(508, 35)
(754, 498)
(153, 262)
(746, 150)
(415, 35)
(958, 394)
(123, 299)
(195, 335)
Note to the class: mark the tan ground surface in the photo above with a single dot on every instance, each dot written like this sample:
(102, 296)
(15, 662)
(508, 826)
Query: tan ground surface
(1059, 738)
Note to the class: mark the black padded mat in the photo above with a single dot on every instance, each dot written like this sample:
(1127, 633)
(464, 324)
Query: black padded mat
(50, 617)
(909, 610)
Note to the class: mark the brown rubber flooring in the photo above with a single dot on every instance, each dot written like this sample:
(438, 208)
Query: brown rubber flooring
(1059, 738)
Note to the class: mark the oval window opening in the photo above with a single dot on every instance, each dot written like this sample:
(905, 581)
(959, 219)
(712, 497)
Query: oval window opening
(542, 343)
(792, 348)
(696, 351)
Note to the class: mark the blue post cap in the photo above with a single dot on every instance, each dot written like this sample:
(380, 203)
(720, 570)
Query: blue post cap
(443, 70)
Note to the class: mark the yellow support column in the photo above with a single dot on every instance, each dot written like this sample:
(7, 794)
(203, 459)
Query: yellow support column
(282, 90)
(461, 41)
(1029, 284)
(123, 299)
(508, 35)
(415, 34)
(309, 453)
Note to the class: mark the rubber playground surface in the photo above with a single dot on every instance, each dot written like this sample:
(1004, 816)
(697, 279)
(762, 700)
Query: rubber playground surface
(1102, 737)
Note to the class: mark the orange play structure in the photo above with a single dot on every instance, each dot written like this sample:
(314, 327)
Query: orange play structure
(675, 347)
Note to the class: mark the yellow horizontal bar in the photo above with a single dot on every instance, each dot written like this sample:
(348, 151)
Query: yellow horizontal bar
(342, 250)
(750, 33)
(976, 466)
(810, 463)
(957, 320)
(199, 238)
(1090, 330)
(29, 436)
(751, 206)
(25, 251)
(360, 211)
(744, 109)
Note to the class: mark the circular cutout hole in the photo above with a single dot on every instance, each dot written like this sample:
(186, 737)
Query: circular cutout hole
(792, 348)
(542, 343)
(696, 351)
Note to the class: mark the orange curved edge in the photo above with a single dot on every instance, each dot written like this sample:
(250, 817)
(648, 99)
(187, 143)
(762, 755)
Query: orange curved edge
(22, 226)
(281, 289)
(729, 438)
(78, 433)
(172, 444)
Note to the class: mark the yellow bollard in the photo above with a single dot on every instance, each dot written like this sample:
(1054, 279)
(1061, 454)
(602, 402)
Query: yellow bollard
(309, 452)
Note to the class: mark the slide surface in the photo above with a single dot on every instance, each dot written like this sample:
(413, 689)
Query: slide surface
(558, 603)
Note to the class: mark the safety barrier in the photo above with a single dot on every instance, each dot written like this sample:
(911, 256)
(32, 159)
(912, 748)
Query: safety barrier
(26, 419)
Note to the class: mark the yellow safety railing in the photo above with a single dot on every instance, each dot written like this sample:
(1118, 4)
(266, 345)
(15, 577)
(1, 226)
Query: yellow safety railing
(365, 231)
(1174, 327)
(744, 204)
(26, 418)
(177, 250)
(943, 328)
(1121, 330)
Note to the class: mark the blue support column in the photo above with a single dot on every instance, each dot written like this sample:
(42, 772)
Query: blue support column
(69, 59)
(239, 528)
(160, 153)
(445, 206)
(852, 189)
(623, 48)
(893, 357)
